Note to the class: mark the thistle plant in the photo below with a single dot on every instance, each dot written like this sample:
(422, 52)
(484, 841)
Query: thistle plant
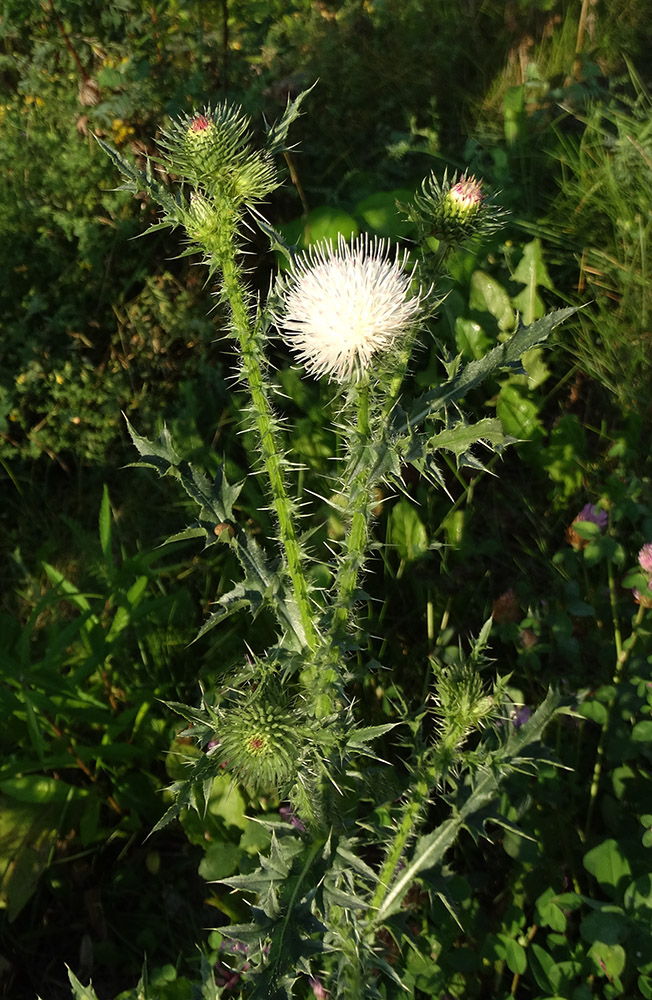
(335, 882)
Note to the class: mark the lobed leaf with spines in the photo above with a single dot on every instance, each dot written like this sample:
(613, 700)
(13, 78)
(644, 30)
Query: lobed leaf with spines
(276, 139)
(262, 585)
(405, 439)
(431, 848)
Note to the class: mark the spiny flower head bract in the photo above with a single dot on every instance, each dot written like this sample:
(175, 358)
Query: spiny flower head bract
(213, 150)
(342, 307)
(455, 210)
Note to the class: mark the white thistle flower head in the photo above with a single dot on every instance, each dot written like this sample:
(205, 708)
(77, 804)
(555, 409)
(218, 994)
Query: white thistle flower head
(341, 307)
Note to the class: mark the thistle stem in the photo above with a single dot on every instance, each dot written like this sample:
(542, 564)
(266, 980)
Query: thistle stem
(396, 381)
(410, 816)
(347, 577)
(247, 335)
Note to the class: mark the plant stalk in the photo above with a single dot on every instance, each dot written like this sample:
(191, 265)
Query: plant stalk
(262, 411)
(347, 577)
(622, 653)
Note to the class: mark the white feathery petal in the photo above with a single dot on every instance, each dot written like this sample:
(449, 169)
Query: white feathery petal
(341, 307)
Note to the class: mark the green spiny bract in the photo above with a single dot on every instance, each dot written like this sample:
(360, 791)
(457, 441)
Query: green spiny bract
(455, 211)
(212, 151)
(261, 744)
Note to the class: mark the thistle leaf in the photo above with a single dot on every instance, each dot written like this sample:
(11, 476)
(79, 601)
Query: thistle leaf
(262, 584)
(505, 356)
(431, 848)
(139, 180)
(80, 992)
(461, 436)
(277, 133)
(360, 737)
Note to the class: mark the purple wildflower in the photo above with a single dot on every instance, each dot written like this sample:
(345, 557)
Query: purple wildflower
(289, 816)
(593, 514)
(520, 715)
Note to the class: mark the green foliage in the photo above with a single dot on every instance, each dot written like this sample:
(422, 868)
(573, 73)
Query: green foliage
(74, 743)
(605, 191)
(349, 827)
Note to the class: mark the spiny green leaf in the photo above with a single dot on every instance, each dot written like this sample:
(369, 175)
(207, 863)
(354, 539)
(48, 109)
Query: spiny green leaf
(262, 583)
(461, 436)
(504, 356)
(363, 735)
(431, 848)
(277, 133)
(140, 179)
(78, 991)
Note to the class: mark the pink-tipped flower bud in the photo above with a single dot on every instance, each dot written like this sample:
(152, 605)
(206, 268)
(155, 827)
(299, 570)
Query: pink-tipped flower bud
(200, 123)
(464, 199)
(455, 211)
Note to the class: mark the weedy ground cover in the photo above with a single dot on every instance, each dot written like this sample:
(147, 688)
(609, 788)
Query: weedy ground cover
(351, 821)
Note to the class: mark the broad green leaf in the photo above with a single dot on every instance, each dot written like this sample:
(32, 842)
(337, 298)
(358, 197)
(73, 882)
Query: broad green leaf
(608, 865)
(645, 986)
(537, 371)
(28, 835)
(593, 710)
(380, 213)
(603, 548)
(518, 412)
(487, 295)
(642, 732)
(549, 912)
(220, 860)
(609, 925)
(38, 788)
(322, 223)
(562, 975)
(409, 536)
(532, 273)
(638, 894)
(608, 959)
(646, 820)
(470, 338)
(541, 964)
(227, 802)
(513, 953)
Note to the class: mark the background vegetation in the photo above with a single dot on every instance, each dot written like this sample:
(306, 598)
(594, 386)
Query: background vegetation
(96, 620)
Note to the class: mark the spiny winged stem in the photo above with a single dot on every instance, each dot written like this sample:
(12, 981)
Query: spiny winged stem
(262, 412)
(413, 810)
(402, 362)
(347, 576)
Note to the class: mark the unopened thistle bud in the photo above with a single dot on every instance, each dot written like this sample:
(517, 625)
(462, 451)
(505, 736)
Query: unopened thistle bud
(464, 200)
(260, 744)
(213, 151)
(454, 211)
